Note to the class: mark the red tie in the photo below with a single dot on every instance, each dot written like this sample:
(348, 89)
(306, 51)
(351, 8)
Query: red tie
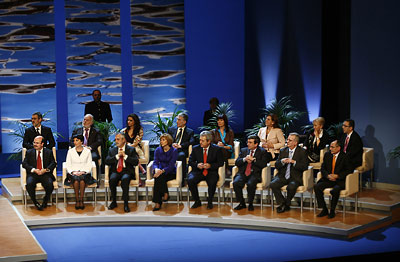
(39, 161)
(86, 136)
(120, 163)
(248, 168)
(205, 171)
(345, 144)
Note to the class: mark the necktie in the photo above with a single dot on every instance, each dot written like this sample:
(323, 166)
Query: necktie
(205, 171)
(39, 161)
(345, 144)
(287, 174)
(333, 164)
(248, 168)
(86, 136)
(37, 131)
(120, 163)
(179, 136)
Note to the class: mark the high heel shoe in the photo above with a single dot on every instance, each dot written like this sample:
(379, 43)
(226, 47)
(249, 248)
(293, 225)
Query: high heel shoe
(77, 205)
(82, 205)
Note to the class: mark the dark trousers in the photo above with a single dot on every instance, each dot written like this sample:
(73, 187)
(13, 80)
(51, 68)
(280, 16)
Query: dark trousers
(182, 157)
(335, 192)
(160, 186)
(238, 184)
(291, 188)
(125, 180)
(33, 179)
(194, 178)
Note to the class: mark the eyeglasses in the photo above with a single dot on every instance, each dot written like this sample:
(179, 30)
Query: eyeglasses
(345, 126)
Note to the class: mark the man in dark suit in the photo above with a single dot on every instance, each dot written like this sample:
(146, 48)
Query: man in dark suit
(39, 164)
(122, 160)
(334, 170)
(100, 110)
(205, 160)
(183, 138)
(352, 144)
(92, 137)
(291, 163)
(38, 130)
(250, 162)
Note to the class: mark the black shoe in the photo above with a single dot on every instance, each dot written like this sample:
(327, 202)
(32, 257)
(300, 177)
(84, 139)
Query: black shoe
(196, 204)
(44, 204)
(251, 207)
(82, 206)
(210, 205)
(331, 214)
(77, 205)
(281, 208)
(323, 213)
(37, 205)
(240, 206)
(126, 208)
(112, 205)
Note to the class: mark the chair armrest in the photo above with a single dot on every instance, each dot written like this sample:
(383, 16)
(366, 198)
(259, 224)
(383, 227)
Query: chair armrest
(106, 173)
(319, 176)
(146, 150)
(179, 172)
(236, 148)
(235, 170)
(221, 173)
(64, 171)
(149, 171)
(23, 175)
(137, 177)
(94, 170)
(275, 172)
(308, 178)
(266, 175)
(352, 182)
(23, 153)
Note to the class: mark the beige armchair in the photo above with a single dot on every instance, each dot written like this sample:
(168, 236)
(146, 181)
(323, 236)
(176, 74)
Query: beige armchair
(177, 182)
(146, 151)
(236, 150)
(351, 188)
(265, 181)
(367, 165)
(93, 186)
(220, 184)
(39, 186)
(308, 185)
(318, 165)
(133, 183)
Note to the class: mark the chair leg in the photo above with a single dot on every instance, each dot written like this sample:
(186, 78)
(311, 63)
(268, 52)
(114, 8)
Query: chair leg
(188, 196)
(262, 199)
(356, 203)
(106, 196)
(231, 198)
(137, 195)
(56, 198)
(95, 196)
(344, 206)
(25, 199)
(272, 200)
(219, 190)
(371, 178)
(177, 195)
(65, 197)
(147, 195)
(301, 203)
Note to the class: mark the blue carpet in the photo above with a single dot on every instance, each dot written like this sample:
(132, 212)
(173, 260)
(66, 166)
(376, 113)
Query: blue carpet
(166, 243)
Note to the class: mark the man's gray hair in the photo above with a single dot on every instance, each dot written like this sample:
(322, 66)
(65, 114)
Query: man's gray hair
(207, 135)
(297, 137)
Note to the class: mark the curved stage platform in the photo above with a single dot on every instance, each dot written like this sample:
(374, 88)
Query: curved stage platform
(377, 208)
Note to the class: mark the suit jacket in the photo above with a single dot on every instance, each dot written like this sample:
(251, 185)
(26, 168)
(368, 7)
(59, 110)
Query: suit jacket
(76, 162)
(256, 166)
(354, 149)
(214, 158)
(100, 112)
(342, 167)
(48, 161)
(130, 162)
(94, 141)
(46, 133)
(296, 170)
(187, 138)
(275, 136)
(313, 150)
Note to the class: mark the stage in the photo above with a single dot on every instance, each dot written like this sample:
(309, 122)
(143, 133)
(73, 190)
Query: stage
(377, 208)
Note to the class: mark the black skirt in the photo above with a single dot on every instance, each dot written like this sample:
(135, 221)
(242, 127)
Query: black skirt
(70, 179)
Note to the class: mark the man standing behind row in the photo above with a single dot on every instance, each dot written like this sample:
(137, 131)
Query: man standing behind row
(183, 138)
(205, 160)
(250, 162)
(100, 110)
(38, 130)
(291, 163)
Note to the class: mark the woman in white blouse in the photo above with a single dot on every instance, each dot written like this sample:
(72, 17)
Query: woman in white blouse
(271, 136)
(79, 167)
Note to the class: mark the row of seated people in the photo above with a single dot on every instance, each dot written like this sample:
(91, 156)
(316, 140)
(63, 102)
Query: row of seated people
(179, 141)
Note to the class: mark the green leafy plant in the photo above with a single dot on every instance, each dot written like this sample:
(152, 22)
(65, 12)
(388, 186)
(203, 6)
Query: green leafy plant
(335, 131)
(161, 125)
(222, 109)
(394, 153)
(107, 130)
(283, 110)
(19, 133)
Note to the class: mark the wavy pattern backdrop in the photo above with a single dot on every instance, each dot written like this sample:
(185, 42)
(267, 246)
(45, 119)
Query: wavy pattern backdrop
(93, 55)
(27, 64)
(158, 57)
